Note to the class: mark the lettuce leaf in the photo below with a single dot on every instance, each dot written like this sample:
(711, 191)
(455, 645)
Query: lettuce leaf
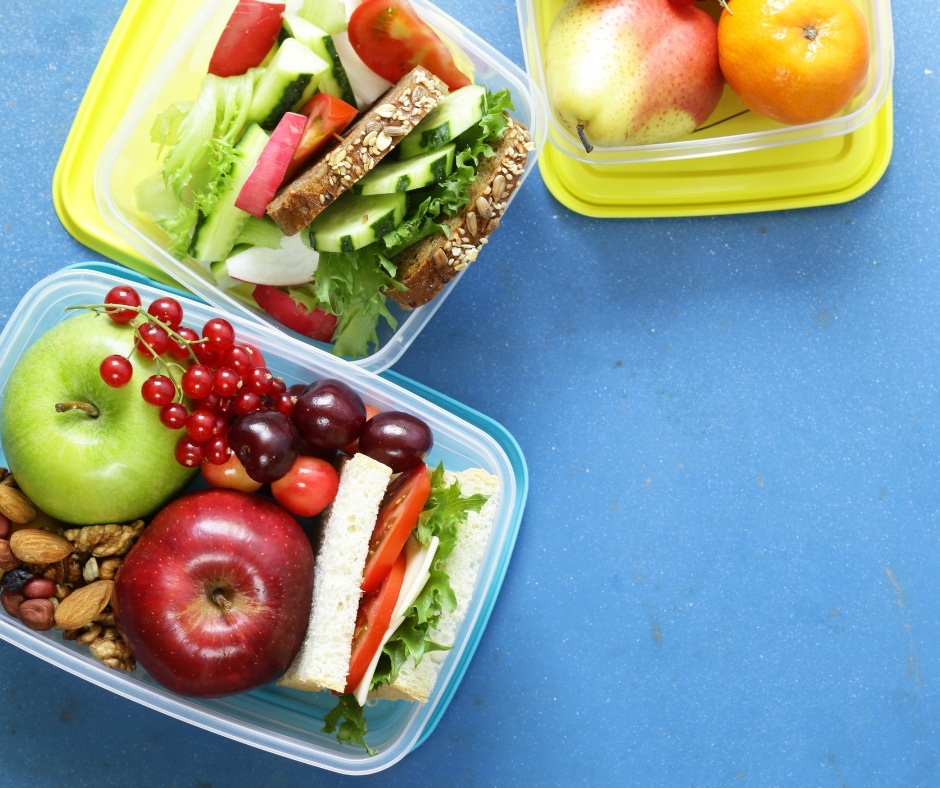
(443, 516)
(199, 140)
(444, 513)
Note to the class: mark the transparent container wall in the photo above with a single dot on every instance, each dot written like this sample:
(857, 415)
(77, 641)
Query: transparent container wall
(277, 719)
(743, 132)
(130, 157)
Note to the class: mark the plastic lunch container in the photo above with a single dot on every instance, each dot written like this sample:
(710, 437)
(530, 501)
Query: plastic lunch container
(280, 720)
(749, 131)
(773, 167)
(130, 156)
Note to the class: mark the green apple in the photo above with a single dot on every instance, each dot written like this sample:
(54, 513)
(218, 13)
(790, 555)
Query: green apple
(110, 462)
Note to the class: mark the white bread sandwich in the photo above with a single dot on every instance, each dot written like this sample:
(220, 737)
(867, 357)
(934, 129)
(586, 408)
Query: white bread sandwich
(416, 548)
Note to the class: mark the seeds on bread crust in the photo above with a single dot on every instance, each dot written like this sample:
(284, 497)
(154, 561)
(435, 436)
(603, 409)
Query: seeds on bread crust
(364, 145)
(427, 267)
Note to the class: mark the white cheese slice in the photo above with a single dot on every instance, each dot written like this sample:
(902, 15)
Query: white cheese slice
(417, 572)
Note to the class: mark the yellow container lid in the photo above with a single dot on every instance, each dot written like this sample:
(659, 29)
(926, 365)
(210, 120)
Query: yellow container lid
(143, 35)
(821, 172)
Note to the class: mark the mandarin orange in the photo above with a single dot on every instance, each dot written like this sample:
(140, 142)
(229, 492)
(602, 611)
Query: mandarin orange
(795, 61)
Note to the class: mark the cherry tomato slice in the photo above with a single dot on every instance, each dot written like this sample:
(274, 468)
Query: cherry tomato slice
(372, 621)
(326, 116)
(248, 36)
(391, 39)
(398, 515)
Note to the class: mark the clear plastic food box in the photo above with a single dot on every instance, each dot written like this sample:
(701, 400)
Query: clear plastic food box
(280, 720)
(130, 156)
(741, 132)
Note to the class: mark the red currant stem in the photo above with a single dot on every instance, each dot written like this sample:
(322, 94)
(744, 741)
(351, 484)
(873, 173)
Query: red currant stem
(91, 410)
(102, 308)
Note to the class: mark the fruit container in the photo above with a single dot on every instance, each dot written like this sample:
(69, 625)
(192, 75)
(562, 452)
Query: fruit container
(746, 132)
(129, 156)
(273, 718)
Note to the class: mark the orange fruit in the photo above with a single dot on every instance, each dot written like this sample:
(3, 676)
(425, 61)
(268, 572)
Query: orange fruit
(795, 61)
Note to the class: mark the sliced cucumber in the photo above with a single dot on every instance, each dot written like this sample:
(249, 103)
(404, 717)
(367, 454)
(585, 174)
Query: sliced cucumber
(408, 174)
(284, 82)
(355, 221)
(215, 233)
(328, 15)
(455, 113)
(334, 80)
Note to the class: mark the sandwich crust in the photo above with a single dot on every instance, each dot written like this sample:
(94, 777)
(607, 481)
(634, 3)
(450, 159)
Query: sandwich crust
(364, 145)
(427, 266)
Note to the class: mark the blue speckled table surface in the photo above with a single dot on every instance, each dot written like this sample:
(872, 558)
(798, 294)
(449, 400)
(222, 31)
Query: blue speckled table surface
(727, 572)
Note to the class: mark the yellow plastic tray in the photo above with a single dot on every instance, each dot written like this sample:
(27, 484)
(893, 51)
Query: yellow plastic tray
(801, 175)
(141, 38)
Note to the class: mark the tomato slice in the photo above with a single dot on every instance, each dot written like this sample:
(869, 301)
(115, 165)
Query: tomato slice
(398, 515)
(326, 116)
(391, 39)
(248, 36)
(372, 621)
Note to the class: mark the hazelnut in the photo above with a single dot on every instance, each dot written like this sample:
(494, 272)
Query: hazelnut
(8, 561)
(37, 614)
(11, 601)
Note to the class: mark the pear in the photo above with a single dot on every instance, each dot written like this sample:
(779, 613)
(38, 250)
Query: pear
(632, 72)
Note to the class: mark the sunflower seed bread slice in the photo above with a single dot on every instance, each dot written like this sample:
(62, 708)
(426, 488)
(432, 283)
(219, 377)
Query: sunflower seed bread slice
(364, 145)
(427, 266)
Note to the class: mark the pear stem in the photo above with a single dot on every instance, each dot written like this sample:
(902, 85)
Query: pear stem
(91, 410)
(584, 140)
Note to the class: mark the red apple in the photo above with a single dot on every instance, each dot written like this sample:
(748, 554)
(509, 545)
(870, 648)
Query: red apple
(215, 596)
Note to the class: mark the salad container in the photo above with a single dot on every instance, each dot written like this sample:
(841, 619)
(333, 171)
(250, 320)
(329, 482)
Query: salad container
(129, 156)
(156, 56)
(280, 720)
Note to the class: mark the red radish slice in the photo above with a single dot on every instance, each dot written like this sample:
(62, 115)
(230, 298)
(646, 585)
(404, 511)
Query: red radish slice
(248, 36)
(315, 324)
(268, 173)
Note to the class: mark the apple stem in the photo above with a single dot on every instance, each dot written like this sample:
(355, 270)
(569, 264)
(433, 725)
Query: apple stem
(91, 410)
(221, 600)
(584, 140)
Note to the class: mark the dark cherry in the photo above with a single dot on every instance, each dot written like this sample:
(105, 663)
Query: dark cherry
(397, 439)
(329, 414)
(265, 442)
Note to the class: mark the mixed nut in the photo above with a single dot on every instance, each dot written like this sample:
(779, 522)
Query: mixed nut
(64, 580)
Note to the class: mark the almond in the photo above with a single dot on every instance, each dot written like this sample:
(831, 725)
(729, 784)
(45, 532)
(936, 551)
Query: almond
(15, 505)
(38, 546)
(83, 605)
